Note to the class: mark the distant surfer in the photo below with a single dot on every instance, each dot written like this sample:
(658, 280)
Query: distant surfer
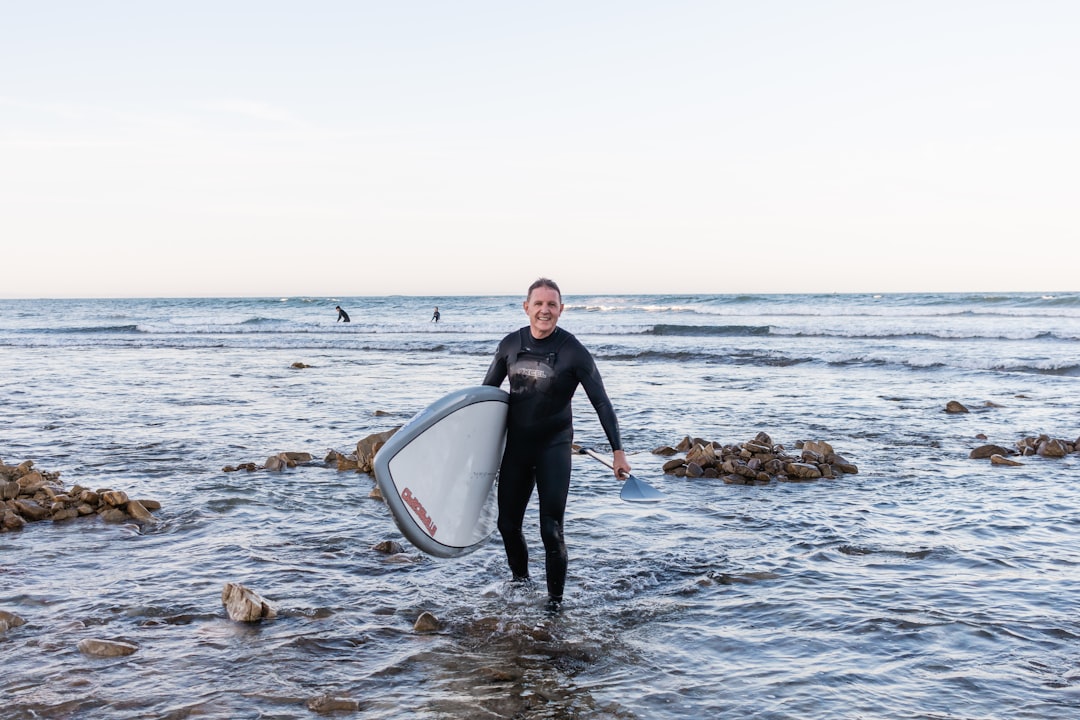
(544, 364)
(342, 316)
(435, 316)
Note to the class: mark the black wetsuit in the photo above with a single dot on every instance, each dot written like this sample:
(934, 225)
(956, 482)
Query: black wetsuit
(342, 315)
(543, 377)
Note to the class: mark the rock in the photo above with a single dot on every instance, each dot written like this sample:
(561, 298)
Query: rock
(1002, 460)
(299, 366)
(802, 470)
(9, 490)
(820, 447)
(671, 465)
(65, 514)
(702, 455)
(30, 510)
(985, 451)
(693, 470)
(381, 413)
(31, 482)
(106, 648)
(116, 498)
(344, 462)
(366, 449)
(12, 521)
(389, 547)
(114, 515)
(276, 463)
(499, 675)
(298, 457)
(245, 605)
(138, 511)
(1052, 449)
(954, 407)
(150, 505)
(376, 493)
(324, 704)
(743, 469)
(665, 451)
(426, 623)
(9, 620)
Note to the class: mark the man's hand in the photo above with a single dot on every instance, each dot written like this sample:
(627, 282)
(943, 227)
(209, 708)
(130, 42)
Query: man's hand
(621, 466)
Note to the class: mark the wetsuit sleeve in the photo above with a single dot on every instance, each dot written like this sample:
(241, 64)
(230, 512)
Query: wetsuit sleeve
(497, 370)
(589, 377)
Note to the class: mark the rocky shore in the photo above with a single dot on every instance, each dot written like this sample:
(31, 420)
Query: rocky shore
(1040, 445)
(29, 495)
(755, 462)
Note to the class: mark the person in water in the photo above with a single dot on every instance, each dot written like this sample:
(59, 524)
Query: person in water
(341, 314)
(435, 317)
(544, 364)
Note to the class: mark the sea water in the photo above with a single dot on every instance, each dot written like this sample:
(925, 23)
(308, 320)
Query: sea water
(928, 585)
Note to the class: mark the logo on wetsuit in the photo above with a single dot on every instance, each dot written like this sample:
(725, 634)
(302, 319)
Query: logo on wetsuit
(537, 367)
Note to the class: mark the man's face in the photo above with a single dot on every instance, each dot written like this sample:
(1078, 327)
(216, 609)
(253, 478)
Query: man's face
(543, 307)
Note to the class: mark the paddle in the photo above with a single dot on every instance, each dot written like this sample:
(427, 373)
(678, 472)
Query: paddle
(633, 490)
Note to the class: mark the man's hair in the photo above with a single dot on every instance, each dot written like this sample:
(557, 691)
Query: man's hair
(544, 282)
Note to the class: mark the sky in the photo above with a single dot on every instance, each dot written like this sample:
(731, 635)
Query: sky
(333, 148)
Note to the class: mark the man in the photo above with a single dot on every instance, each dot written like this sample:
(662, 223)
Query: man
(544, 364)
(341, 314)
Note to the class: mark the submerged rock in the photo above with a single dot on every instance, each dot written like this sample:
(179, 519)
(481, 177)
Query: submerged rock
(426, 623)
(9, 620)
(324, 704)
(388, 547)
(106, 648)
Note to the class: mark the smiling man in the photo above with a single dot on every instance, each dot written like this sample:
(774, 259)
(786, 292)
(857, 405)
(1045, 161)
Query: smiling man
(545, 364)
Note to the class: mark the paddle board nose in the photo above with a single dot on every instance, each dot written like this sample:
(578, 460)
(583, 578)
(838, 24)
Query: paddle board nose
(437, 473)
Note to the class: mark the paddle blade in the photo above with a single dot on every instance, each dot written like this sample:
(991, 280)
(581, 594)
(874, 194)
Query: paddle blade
(634, 490)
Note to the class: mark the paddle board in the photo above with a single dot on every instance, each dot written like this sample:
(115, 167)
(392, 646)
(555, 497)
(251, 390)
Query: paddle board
(437, 473)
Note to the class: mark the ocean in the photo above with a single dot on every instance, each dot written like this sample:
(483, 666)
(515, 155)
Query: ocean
(928, 585)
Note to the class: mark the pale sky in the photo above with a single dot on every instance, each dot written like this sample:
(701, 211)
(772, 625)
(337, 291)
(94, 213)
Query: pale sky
(170, 149)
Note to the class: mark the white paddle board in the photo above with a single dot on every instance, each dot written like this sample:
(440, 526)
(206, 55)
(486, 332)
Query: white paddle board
(437, 473)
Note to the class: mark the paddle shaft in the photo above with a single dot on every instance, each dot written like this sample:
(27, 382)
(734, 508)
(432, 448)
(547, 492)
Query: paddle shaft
(597, 456)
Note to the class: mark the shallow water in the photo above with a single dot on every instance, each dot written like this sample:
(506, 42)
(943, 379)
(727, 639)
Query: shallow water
(928, 585)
